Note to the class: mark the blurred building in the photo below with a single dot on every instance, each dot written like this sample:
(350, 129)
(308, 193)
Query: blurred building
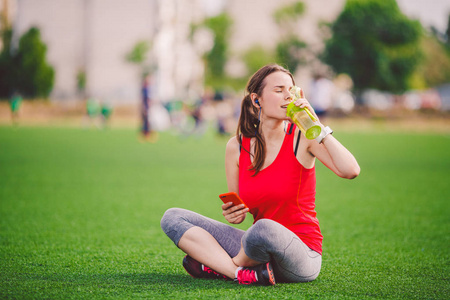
(93, 37)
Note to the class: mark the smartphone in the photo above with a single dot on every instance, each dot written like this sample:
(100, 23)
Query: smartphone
(231, 197)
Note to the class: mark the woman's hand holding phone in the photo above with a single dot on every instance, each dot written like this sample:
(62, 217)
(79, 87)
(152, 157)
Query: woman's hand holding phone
(234, 210)
(235, 214)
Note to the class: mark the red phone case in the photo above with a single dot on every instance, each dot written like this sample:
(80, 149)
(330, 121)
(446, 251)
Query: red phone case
(231, 197)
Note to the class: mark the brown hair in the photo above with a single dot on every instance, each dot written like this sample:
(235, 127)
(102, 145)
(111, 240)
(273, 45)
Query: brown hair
(248, 124)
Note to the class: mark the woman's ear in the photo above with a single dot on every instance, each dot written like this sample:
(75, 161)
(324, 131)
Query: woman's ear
(255, 100)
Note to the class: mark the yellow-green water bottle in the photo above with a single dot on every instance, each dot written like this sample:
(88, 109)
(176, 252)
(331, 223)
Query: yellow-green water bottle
(302, 117)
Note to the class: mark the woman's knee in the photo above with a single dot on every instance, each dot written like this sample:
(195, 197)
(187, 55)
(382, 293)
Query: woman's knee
(261, 234)
(262, 231)
(170, 218)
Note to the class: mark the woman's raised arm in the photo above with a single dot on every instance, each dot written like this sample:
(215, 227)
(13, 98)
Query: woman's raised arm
(336, 157)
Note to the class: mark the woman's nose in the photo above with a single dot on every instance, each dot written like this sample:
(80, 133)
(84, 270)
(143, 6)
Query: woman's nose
(288, 96)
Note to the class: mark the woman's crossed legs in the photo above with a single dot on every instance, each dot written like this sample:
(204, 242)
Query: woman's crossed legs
(224, 248)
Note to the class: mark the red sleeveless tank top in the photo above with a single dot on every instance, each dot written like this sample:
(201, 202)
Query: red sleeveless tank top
(283, 192)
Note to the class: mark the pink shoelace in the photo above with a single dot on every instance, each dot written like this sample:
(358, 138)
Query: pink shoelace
(246, 276)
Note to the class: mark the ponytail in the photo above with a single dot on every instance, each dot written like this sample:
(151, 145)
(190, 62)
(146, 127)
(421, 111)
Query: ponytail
(248, 126)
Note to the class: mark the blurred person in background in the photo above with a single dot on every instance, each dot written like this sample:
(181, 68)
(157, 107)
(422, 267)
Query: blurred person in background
(272, 167)
(224, 114)
(343, 98)
(321, 94)
(14, 104)
(92, 112)
(147, 133)
(106, 112)
(198, 115)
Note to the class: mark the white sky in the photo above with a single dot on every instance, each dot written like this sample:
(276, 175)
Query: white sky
(429, 12)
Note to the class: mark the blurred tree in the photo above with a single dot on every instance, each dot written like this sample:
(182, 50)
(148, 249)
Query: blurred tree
(35, 76)
(216, 58)
(257, 56)
(435, 67)
(288, 15)
(290, 51)
(138, 56)
(447, 33)
(139, 52)
(7, 71)
(6, 67)
(82, 82)
(375, 44)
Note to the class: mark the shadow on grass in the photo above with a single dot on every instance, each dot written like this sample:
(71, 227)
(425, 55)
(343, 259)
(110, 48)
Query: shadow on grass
(118, 285)
(126, 281)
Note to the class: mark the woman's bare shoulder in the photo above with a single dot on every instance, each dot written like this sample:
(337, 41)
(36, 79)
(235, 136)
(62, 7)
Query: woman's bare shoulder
(233, 144)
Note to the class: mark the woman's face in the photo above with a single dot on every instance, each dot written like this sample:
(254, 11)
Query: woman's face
(275, 95)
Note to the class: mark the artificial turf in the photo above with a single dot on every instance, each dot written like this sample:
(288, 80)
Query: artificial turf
(80, 212)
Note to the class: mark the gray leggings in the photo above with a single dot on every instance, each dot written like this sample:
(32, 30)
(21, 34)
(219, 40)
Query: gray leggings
(264, 241)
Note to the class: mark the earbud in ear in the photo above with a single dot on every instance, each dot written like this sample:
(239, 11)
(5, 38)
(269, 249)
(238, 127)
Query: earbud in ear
(257, 102)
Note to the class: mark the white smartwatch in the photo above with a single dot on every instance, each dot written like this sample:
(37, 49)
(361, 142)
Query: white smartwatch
(325, 131)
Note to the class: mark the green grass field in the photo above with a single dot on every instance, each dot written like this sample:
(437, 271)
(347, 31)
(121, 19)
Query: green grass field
(80, 212)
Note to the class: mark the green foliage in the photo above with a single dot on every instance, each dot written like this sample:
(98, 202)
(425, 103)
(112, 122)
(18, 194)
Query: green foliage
(447, 33)
(290, 12)
(375, 44)
(80, 217)
(36, 76)
(139, 53)
(257, 56)
(435, 67)
(7, 70)
(26, 70)
(81, 81)
(138, 56)
(216, 58)
(289, 52)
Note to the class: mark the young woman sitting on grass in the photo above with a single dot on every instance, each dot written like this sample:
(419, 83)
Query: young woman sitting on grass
(271, 167)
